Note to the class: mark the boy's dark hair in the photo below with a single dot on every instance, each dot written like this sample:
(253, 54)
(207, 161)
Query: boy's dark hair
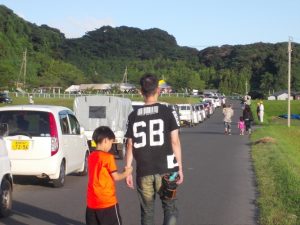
(101, 133)
(149, 84)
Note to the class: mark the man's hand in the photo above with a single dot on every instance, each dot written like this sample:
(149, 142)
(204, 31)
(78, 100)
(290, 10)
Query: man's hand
(129, 181)
(180, 180)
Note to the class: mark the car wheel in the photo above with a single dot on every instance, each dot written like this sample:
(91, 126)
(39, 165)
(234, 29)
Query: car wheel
(60, 181)
(84, 172)
(5, 198)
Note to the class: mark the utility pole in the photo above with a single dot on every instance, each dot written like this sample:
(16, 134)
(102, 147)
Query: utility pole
(125, 76)
(289, 81)
(23, 70)
(246, 87)
(25, 67)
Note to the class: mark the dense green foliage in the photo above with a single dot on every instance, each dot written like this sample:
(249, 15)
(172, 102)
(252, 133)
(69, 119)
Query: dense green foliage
(102, 55)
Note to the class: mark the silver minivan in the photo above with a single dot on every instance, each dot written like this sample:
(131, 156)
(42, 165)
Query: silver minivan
(44, 141)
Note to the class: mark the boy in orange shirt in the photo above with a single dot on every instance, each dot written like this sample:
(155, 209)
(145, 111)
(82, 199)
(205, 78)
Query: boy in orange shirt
(102, 205)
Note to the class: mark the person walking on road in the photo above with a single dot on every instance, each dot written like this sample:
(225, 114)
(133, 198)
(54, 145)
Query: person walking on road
(102, 205)
(248, 118)
(241, 126)
(153, 141)
(261, 112)
(228, 114)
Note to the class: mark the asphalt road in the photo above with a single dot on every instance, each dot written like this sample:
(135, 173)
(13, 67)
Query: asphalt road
(219, 186)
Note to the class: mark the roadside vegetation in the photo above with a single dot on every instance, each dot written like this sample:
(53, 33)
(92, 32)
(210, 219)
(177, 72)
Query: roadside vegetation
(68, 102)
(276, 158)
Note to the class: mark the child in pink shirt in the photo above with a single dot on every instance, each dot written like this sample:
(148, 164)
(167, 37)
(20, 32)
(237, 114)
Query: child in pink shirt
(241, 125)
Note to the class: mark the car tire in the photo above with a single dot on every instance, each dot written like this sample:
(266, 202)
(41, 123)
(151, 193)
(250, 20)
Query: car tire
(5, 198)
(60, 181)
(84, 172)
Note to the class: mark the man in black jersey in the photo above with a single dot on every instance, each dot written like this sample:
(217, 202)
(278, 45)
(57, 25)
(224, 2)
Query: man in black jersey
(153, 141)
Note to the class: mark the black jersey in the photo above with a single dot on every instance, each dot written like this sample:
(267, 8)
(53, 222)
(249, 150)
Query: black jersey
(149, 127)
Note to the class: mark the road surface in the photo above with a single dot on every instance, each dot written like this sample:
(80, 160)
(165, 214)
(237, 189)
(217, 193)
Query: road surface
(219, 186)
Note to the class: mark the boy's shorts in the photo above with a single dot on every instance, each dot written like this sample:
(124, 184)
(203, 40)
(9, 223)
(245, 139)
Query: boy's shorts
(105, 216)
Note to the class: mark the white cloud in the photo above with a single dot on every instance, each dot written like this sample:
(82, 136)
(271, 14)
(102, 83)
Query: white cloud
(74, 28)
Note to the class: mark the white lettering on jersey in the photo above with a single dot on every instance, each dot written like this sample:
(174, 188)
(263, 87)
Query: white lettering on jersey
(171, 164)
(159, 132)
(141, 135)
(147, 110)
(176, 118)
(156, 133)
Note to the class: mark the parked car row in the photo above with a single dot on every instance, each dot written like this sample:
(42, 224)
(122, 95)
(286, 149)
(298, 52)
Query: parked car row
(193, 114)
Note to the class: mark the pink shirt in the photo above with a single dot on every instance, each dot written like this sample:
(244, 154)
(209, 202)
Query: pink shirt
(241, 125)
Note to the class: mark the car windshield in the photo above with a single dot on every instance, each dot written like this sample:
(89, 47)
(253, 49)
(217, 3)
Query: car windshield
(30, 123)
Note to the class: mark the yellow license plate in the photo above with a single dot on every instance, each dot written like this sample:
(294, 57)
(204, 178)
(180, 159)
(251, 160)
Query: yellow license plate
(20, 145)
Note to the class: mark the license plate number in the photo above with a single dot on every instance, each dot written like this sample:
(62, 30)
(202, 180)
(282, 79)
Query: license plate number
(20, 145)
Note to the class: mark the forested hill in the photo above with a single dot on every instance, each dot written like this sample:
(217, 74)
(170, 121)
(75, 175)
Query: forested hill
(102, 55)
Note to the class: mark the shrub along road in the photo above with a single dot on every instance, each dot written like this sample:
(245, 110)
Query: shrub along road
(219, 186)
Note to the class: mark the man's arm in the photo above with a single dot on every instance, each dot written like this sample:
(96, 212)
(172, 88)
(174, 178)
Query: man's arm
(129, 159)
(176, 147)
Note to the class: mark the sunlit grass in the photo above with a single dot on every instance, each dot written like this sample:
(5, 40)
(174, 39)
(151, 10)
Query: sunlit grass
(277, 166)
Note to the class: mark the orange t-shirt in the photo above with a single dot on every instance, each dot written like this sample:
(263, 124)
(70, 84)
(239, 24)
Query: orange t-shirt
(101, 191)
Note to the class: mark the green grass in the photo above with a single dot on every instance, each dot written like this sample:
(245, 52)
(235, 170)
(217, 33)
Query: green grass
(68, 102)
(277, 166)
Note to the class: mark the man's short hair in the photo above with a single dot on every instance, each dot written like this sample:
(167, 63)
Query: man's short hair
(149, 84)
(101, 133)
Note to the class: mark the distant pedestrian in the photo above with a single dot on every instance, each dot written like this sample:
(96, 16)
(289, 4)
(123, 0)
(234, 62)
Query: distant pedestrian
(228, 114)
(102, 205)
(241, 126)
(257, 111)
(31, 100)
(248, 118)
(261, 112)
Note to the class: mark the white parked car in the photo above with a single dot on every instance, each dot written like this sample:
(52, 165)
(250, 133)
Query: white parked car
(186, 114)
(200, 112)
(195, 115)
(5, 181)
(44, 141)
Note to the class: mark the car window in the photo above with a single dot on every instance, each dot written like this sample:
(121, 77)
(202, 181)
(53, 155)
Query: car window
(75, 127)
(32, 123)
(64, 124)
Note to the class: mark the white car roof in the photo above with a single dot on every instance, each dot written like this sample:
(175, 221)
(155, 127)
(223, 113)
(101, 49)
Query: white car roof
(47, 108)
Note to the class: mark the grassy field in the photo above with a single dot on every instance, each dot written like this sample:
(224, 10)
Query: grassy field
(68, 102)
(276, 158)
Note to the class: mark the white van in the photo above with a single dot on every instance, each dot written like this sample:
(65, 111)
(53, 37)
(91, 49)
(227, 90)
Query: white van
(186, 114)
(44, 141)
(5, 181)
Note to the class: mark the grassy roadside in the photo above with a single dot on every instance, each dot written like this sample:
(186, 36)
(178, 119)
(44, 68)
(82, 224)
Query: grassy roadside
(68, 102)
(276, 158)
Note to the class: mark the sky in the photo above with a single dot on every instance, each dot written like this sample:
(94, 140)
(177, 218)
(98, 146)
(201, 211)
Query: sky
(194, 23)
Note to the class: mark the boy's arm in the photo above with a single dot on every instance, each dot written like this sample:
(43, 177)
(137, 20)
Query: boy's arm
(176, 147)
(120, 176)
